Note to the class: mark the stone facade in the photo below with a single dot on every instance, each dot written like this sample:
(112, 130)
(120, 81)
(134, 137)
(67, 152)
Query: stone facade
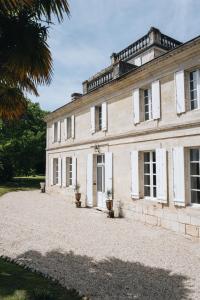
(175, 126)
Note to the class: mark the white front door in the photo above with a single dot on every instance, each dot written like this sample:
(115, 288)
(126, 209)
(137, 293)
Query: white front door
(101, 203)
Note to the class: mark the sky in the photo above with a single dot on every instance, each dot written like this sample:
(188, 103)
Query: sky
(81, 46)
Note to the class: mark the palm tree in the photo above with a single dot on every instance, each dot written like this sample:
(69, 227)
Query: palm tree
(25, 57)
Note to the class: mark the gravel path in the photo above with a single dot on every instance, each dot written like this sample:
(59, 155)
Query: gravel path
(100, 257)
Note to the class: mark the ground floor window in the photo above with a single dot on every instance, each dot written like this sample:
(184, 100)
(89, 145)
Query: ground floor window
(68, 171)
(55, 171)
(150, 189)
(195, 175)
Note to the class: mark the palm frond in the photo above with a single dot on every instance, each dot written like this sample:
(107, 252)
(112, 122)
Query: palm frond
(13, 104)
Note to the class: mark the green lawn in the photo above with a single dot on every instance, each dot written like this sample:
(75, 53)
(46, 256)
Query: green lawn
(21, 184)
(16, 283)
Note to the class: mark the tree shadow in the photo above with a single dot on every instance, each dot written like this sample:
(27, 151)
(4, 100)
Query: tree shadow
(111, 278)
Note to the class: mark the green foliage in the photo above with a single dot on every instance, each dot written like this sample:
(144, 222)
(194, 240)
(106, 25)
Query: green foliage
(22, 149)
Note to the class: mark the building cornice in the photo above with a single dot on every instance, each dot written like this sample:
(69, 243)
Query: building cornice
(129, 134)
(154, 65)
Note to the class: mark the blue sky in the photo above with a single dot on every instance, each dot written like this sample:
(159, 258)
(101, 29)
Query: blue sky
(81, 46)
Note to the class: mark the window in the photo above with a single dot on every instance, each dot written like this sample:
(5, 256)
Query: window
(195, 175)
(194, 94)
(55, 171)
(55, 131)
(98, 112)
(150, 189)
(147, 105)
(68, 171)
(69, 127)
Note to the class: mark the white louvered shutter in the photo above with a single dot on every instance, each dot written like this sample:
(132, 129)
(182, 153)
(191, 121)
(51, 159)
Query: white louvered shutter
(178, 176)
(59, 171)
(156, 99)
(136, 106)
(135, 193)
(51, 172)
(108, 172)
(53, 133)
(92, 118)
(104, 116)
(161, 174)
(73, 126)
(59, 131)
(180, 91)
(90, 180)
(65, 128)
(64, 183)
(74, 171)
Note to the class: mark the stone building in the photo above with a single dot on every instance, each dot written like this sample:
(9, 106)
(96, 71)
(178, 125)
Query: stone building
(135, 131)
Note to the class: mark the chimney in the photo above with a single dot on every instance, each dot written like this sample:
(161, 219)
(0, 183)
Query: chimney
(76, 96)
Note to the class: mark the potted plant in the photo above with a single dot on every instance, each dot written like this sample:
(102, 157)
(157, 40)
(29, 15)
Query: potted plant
(42, 187)
(109, 203)
(77, 195)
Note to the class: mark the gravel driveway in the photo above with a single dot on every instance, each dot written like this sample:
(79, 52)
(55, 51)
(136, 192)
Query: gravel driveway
(100, 257)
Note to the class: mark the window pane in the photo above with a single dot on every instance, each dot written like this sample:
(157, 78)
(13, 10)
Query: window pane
(194, 169)
(154, 168)
(194, 104)
(154, 192)
(154, 156)
(147, 191)
(195, 183)
(194, 155)
(147, 168)
(146, 180)
(69, 127)
(154, 179)
(99, 179)
(147, 156)
(195, 197)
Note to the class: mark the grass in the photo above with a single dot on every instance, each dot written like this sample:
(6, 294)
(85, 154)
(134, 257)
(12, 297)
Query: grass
(16, 283)
(21, 184)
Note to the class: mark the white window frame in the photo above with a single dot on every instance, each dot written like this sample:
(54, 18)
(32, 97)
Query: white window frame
(149, 97)
(151, 174)
(197, 89)
(190, 188)
(55, 171)
(68, 171)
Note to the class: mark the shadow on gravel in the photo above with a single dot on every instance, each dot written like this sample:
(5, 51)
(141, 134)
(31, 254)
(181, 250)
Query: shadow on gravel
(109, 279)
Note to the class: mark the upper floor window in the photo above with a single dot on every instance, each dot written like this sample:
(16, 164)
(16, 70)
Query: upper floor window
(69, 127)
(194, 93)
(98, 114)
(98, 117)
(147, 104)
(55, 129)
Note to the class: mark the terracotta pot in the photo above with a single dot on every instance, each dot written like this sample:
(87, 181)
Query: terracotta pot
(109, 204)
(78, 196)
(78, 203)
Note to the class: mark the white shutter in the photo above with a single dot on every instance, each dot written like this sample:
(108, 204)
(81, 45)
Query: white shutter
(53, 132)
(59, 171)
(161, 175)
(178, 176)
(90, 180)
(73, 126)
(65, 128)
(104, 116)
(136, 106)
(156, 99)
(64, 172)
(59, 131)
(74, 171)
(108, 172)
(180, 91)
(92, 117)
(135, 193)
(51, 172)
